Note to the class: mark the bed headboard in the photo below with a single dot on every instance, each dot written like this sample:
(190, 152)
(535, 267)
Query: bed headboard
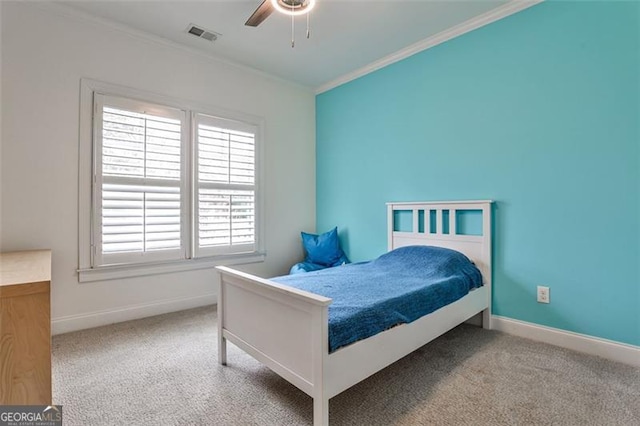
(464, 226)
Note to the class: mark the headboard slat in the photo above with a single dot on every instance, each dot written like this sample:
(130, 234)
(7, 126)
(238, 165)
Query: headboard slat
(452, 222)
(439, 217)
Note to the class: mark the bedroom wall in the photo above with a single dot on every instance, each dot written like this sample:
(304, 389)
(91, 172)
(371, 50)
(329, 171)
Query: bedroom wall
(539, 112)
(41, 72)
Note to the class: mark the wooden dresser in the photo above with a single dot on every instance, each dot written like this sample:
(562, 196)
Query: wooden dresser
(25, 328)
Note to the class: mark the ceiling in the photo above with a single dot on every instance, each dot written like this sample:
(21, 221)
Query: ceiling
(346, 35)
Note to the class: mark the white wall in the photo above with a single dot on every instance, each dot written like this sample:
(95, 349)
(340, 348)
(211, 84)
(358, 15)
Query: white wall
(45, 53)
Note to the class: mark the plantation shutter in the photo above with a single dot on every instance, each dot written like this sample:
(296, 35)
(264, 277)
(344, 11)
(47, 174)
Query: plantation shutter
(139, 179)
(225, 217)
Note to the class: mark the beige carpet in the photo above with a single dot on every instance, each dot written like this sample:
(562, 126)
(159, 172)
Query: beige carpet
(163, 371)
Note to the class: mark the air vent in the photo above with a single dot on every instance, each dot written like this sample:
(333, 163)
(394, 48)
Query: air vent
(202, 33)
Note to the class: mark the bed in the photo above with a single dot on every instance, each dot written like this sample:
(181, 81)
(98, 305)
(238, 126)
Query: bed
(287, 329)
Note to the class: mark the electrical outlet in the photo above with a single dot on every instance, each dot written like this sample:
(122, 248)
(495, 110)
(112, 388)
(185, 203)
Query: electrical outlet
(544, 294)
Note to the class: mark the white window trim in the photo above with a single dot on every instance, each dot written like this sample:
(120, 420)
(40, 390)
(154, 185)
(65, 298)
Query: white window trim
(86, 272)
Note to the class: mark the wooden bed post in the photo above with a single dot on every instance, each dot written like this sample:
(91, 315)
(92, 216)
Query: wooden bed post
(321, 356)
(390, 227)
(487, 232)
(320, 411)
(222, 342)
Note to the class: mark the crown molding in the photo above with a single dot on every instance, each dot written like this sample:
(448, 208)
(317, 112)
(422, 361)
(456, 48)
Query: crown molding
(479, 21)
(82, 16)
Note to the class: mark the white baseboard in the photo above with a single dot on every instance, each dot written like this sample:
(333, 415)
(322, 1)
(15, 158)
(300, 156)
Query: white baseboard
(70, 323)
(615, 351)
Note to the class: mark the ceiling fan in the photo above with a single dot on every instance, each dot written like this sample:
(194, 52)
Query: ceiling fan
(288, 7)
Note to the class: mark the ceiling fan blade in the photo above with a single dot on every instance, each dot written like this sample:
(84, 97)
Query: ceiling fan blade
(261, 13)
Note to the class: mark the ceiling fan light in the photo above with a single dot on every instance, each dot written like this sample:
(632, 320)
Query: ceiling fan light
(302, 9)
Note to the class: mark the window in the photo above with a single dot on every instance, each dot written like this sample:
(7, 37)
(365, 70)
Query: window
(172, 188)
(226, 192)
(140, 184)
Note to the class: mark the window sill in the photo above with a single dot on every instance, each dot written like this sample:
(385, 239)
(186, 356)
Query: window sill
(113, 272)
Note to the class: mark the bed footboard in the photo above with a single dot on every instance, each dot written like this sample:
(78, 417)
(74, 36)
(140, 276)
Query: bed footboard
(284, 328)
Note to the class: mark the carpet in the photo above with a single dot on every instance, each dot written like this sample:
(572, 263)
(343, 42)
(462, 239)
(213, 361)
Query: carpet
(163, 370)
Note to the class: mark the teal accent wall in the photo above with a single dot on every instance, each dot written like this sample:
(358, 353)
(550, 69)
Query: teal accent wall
(539, 112)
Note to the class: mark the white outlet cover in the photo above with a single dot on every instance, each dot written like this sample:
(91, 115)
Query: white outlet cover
(544, 294)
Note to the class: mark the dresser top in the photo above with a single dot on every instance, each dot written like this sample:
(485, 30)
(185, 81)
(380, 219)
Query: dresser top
(23, 267)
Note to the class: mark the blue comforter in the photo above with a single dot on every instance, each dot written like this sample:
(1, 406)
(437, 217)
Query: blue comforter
(398, 287)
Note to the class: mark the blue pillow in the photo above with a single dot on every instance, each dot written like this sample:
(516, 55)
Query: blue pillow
(324, 249)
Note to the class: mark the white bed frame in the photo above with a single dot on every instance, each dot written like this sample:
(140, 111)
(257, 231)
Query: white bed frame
(287, 329)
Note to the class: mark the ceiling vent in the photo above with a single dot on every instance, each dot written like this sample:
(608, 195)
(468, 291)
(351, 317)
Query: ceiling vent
(202, 33)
